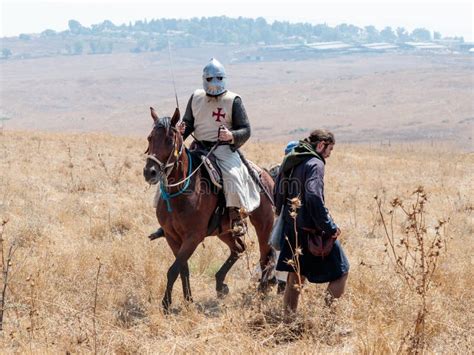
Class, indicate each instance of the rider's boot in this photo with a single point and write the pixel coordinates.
(237, 223)
(158, 234)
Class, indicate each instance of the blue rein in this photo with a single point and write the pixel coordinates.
(167, 196)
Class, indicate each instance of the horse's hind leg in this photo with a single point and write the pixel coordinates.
(222, 288)
(236, 246)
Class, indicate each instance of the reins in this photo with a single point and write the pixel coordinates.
(197, 168)
(167, 196)
(187, 179)
(168, 165)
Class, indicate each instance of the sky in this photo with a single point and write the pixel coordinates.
(450, 18)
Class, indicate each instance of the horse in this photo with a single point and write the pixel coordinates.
(184, 211)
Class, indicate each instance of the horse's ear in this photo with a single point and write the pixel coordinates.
(176, 117)
(153, 114)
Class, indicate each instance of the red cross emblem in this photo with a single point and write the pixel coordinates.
(218, 114)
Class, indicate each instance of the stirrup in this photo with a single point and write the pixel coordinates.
(239, 228)
(158, 234)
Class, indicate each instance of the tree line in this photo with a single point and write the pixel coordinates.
(242, 31)
(151, 35)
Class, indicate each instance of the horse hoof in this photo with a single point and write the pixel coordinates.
(263, 287)
(223, 291)
(281, 287)
(166, 306)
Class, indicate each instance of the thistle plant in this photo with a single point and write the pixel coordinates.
(6, 254)
(294, 262)
(415, 251)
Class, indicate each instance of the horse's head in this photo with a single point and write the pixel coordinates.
(165, 145)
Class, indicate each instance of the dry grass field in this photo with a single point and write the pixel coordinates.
(85, 278)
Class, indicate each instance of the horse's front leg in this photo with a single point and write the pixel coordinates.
(184, 273)
(181, 263)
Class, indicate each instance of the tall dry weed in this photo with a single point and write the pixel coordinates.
(415, 249)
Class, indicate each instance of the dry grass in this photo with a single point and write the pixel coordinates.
(79, 211)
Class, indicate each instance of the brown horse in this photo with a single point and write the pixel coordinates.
(185, 209)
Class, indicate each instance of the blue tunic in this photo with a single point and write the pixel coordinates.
(307, 183)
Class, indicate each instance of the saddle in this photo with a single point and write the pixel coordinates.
(212, 174)
(212, 170)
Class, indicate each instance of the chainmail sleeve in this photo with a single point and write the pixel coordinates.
(188, 119)
(240, 124)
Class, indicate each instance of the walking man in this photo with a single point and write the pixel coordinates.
(299, 195)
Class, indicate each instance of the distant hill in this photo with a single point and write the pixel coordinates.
(361, 97)
(153, 35)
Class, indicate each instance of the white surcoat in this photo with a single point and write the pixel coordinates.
(210, 113)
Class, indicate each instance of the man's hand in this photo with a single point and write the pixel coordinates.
(182, 127)
(225, 135)
(337, 234)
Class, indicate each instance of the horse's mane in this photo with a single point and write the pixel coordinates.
(163, 122)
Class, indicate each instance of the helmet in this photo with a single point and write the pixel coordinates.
(213, 78)
(289, 147)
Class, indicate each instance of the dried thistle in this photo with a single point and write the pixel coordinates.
(296, 250)
(290, 262)
(295, 203)
(396, 202)
(415, 256)
(419, 190)
(6, 253)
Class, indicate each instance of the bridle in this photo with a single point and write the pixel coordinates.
(165, 169)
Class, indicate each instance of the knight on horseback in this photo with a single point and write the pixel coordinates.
(190, 207)
(217, 117)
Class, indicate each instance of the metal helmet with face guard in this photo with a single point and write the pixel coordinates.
(213, 78)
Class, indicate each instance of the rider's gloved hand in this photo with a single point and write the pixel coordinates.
(182, 127)
(225, 135)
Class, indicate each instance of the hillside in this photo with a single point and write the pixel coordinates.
(72, 202)
(153, 35)
(362, 97)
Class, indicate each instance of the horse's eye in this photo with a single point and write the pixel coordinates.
(220, 78)
(208, 80)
